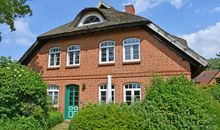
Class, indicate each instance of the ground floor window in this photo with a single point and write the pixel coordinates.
(103, 93)
(132, 92)
(53, 91)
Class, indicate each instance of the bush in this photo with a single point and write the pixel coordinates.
(54, 118)
(177, 103)
(105, 117)
(21, 123)
(23, 94)
(215, 91)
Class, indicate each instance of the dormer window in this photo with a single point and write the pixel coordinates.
(91, 18)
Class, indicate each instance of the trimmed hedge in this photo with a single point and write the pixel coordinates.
(215, 91)
(174, 103)
(54, 118)
(105, 117)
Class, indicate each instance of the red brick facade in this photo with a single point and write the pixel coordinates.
(156, 59)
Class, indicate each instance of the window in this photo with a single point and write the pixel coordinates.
(53, 91)
(91, 19)
(73, 55)
(54, 57)
(107, 52)
(132, 92)
(103, 92)
(131, 49)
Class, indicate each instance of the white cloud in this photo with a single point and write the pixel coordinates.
(22, 36)
(215, 10)
(206, 41)
(144, 5)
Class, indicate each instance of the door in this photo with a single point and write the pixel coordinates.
(72, 101)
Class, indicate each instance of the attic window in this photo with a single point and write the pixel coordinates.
(91, 18)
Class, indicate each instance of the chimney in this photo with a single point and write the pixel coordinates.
(129, 9)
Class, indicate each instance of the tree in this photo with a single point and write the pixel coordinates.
(12, 9)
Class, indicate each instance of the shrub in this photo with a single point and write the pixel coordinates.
(105, 117)
(177, 103)
(215, 91)
(54, 118)
(21, 123)
(23, 94)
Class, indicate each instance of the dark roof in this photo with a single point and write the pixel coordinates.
(112, 18)
(115, 19)
(206, 76)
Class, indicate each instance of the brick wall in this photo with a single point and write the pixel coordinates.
(156, 59)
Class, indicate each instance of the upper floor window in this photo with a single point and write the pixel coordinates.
(131, 49)
(132, 92)
(73, 55)
(103, 93)
(53, 91)
(54, 57)
(91, 18)
(107, 52)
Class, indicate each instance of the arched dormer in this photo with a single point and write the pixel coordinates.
(91, 18)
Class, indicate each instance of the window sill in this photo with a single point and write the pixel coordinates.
(131, 62)
(72, 66)
(107, 64)
(53, 68)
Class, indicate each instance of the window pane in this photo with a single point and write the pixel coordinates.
(57, 58)
(77, 57)
(70, 58)
(103, 96)
(113, 96)
(111, 54)
(135, 51)
(103, 54)
(51, 59)
(127, 52)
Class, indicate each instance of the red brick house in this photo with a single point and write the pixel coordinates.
(211, 77)
(75, 58)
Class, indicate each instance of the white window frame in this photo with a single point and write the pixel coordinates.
(52, 90)
(132, 91)
(68, 51)
(105, 90)
(55, 58)
(88, 15)
(132, 55)
(107, 53)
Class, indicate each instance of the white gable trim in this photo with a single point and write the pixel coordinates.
(176, 43)
(101, 3)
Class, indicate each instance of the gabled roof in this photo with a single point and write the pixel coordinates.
(206, 76)
(113, 18)
(116, 19)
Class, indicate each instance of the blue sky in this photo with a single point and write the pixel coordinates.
(198, 21)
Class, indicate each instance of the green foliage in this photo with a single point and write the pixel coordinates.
(23, 95)
(21, 123)
(177, 103)
(215, 91)
(12, 9)
(54, 118)
(214, 63)
(105, 117)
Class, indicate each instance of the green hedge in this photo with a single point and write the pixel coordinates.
(215, 91)
(54, 118)
(105, 117)
(174, 103)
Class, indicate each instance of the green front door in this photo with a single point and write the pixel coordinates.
(72, 101)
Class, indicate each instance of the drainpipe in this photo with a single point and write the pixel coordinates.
(109, 89)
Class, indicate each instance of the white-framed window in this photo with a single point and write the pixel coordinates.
(107, 52)
(73, 55)
(103, 93)
(53, 92)
(131, 50)
(91, 18)
(54, 57)
(132, 92)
